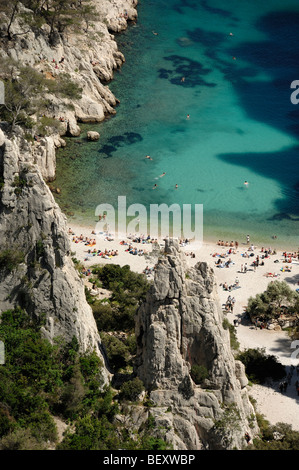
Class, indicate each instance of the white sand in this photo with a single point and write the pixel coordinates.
(275, 406)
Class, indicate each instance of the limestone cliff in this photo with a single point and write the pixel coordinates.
(36, 269)
(90, 58)
(179, 326)
(39, 274)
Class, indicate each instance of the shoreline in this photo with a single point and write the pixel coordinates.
(209, 239)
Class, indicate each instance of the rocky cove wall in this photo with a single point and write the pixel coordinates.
(90, 59)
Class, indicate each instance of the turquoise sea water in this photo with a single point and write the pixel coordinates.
(242, 125)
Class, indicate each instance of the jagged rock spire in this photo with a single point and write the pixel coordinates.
(180, 326)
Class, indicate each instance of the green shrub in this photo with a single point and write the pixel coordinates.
(48, 126)
(280, 436)
(91, 434)
(267, 306)
(132, 389)
(20, 439)
(10, 259)
(40, 379)
(199, 373)
(259, 366)
(234, 343)
(128, 291)
(117, 351)
(65, 87)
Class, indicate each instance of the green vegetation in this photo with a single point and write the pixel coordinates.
(24, 97)
(278, 437)
(117, 352)
(116, 314)
(40, 380)
(132, 389)
(63, 86)
(278, 298)
(47, 126)
(10, 259)
(230, 419)
(58, 14)
(24, 87)
(128, 291)
(232, 333)
(259, 366)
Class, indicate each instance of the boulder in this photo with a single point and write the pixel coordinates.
(93, 136)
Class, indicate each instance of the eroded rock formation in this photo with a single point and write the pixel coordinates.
(180, 326)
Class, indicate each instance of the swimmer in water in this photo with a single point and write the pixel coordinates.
(246, 183)
(176, 186)
(155, 186)
(163, 174)
(148, 157)
(188, 116)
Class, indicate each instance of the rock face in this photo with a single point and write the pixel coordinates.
(42, 277)
(88, 60)
(180, 326)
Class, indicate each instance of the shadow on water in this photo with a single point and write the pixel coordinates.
(196, 5)
(192, 70)
(265, 100)
(117, 141)
(274, 166)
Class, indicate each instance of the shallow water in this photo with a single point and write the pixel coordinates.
(242, 125)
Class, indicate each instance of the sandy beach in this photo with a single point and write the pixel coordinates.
(275, 406)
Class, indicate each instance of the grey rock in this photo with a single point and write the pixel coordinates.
(46, 284)
(93, 136)
(180, 326)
